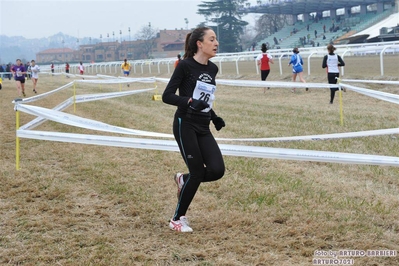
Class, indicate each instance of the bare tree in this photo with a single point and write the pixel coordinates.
(148, 35)
(247, 38)
(268, 24)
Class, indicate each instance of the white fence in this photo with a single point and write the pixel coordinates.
(165, 65)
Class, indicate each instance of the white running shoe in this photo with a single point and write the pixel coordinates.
(180, 225)
(179, 182)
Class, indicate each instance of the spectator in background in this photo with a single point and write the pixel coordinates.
(27, 67)
(178, 60)
(275, 40)
(67, 69)
(8, 70)
(1, 71)
(52, 68)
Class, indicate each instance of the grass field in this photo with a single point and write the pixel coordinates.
(73, 204)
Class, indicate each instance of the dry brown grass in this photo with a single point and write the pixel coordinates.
(74, 204)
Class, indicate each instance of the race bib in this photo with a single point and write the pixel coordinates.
(205, 92)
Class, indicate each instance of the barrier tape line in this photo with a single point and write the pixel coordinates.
(388, 97)
(65, 118)
(228, 150)
(391, 82)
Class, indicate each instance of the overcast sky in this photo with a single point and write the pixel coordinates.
(90, 18)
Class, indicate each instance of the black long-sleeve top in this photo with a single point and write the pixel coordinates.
(185, 78)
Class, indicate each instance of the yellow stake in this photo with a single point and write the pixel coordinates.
(17, 138)
(341, 111)
(74, 98)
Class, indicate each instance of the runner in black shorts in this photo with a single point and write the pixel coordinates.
(195, 77)
(19, 72)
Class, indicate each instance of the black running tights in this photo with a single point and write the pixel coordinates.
(203, 158)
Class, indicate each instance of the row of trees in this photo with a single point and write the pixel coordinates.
(232, 30)
(226, 16)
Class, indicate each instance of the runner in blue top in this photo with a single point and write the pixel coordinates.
(297, 69)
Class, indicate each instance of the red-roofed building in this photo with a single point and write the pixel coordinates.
(168, 43)
(57, 55)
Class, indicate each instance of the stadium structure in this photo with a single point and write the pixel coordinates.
(318, 23)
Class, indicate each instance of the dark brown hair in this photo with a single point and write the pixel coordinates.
(190, 47)
(331, 48)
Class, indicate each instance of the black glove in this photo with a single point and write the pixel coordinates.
(218, 122)
(198, 105)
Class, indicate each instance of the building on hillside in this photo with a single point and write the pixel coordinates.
(168, 43)
(57, 55)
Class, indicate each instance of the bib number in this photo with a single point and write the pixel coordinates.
(205, 92)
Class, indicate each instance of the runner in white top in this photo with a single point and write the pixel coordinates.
(81, 69)
(35, 69)
(332, 62)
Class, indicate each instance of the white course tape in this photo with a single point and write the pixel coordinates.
(164, 80)
(84, 123)
(39, 120)
(389, 97)
(43, 95)
(142, 80)
(86, 76)
(116, 80)
(229, 150)
(51, 73)
(68, 74)
(372, 81)
(77, 121)
(277, 84)
(367, 133)
(101, 96)
(80, 98)
(106, 76)
(262, 84)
